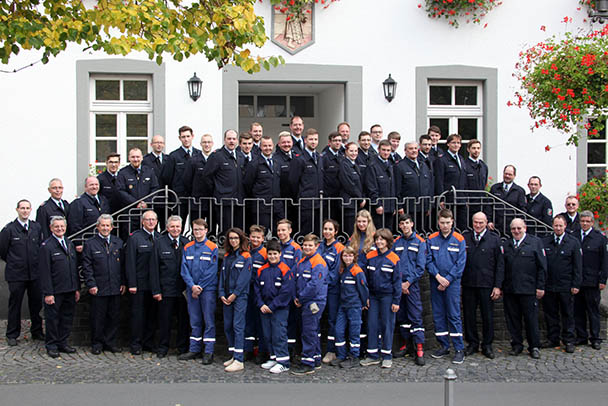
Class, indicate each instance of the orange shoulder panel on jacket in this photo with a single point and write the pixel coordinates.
(296, 245)
(210, 244)
(245, 254)
(263, 253)
(458, 236)
(190, 244)
(317, 259)
(356, 269)
(265, 266)
(339, 247)
(372, 254)
(435, 234)
(393, 257)
(283, 267)
(419, 238)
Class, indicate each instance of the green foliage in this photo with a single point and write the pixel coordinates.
(564, 80)
(593, 196)
(221, 30)
(456, 10)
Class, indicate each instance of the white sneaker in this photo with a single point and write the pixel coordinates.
(278, 368)
(329, 357)
(235, 366)
(269, 364)
(387, 363)
(230, 361)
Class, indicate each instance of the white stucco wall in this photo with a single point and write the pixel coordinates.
(38, 104)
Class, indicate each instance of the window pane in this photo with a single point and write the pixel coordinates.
(272, 106)
(596, 153)
(137, 125)
(103, 149)
(441, 95)
(466, 95)
(467, 128)
(141, 144)
(303, 106)
(105, 125)
(245, 106)
(135, 90)
(443, 124)
(596, 172)
(107, 90)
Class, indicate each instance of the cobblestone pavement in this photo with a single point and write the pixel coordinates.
(29, 363)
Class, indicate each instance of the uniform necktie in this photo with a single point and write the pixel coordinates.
(175, 244)
(157, 160)
(60, 204)
(516, 244)
(97, 202)
(506, 188)
(151, 237)
(65, 248)
(314, 157)
(25, 228)
(477, 237)
(270, 163)
(106, 242)
(583, 235)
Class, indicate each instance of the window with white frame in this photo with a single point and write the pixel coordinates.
(456, 107)
(597, 155)
(121, 116)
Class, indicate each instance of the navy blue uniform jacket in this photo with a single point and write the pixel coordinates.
(20, 250)
(57, 269)
(103, 266)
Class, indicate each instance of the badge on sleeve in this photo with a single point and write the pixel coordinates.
(130, 186)
(544, 255)
(502, 249)
(549, 212)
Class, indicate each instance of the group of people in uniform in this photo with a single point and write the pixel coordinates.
(274, 291)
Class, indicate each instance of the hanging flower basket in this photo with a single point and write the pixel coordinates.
(565, 81)
(457, 10)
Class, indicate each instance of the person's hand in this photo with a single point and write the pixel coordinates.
(132, 291)
(77, 295)
(93, 291)
(158, 297)
(123, 289)
(225, 301)
(296, 301)
(495, 295)
(380, 210)
(574, 291)
(79, 248)
(491, 226)
(231, 298)
(602, 286)
(49, 300)
(405, 288)
(442, 281)
(394, 308)
(265, 309)
(540, 294)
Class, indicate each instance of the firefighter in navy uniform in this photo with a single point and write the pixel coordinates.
(138, 252)
(103, 271)
(330, 166)
(85, 210)
(450, 172)
(262, 182)
(223, 174)
(193, 176)
(156, 159)
(510, 192)
(595, 273)
(537, 204)
(306, 177)
(380, 187)
(108, 187)
(60, 286)
(564, 275)
(19, 247)
(167, 286)
(481, 280)
(414, 187)
(54, 206)
(571, 214)
(351, 186)
(135, 182)
(366, 153)
(523, 286)
(283, 157)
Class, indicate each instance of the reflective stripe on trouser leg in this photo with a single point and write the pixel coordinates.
(453, 314)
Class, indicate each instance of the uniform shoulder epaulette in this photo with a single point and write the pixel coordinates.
(263, 253)
(317, 259)
(283, 267)
(419, 238)
(245, 254)
(435, 234)
(371, 254)
(458, 236)
(397, 239)
(210, 244)
(295, 245)
(190, 244)
(339, 247)
(301, 260)
(393, 257)
(265, 266)
(356, 269)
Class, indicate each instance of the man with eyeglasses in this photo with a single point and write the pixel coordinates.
(54, 206)
(156, 159)
(573, 223)
(108, 187)
(376, 132)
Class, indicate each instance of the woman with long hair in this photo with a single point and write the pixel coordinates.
(362, 239)
(233, 292)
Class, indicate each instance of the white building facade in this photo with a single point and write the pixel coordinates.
(59, 118)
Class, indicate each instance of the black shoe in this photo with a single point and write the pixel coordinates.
(569, 348)
(401, 352)
(67, 349)
(549, 344)
(488, 352)
(135, 351)
(349, 363)
(150, 349)
(187, 356)
(161, 354)
(260, 358)
(580, 342)
(53, 353)
(302, 369)
(515, 351)
(535, 353)
(207, 359)
(12, 342)
(419, 360)
(470, 350)
(596, 345)
(249, 356)
(38, 337)
(336, 362)
(95, 350)
(112, 348)
(440, 353)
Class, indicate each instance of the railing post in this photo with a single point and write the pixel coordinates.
(448, 394)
